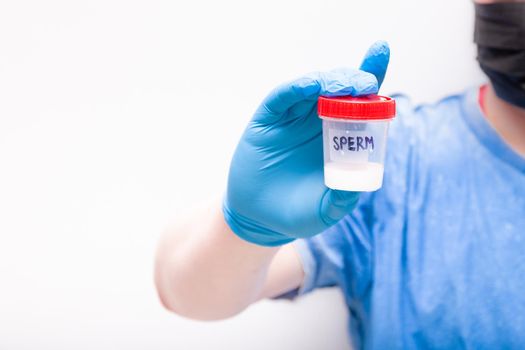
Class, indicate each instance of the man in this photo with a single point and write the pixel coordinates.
(435, 259)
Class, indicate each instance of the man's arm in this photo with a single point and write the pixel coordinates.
(204, 271)
(275, 194)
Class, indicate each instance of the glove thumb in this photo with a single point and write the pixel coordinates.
(376, 60)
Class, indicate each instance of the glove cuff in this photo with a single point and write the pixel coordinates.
(253, 232)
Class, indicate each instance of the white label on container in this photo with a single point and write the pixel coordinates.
(350, 146)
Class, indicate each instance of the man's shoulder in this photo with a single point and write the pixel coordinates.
(426, 120)
(425, 142)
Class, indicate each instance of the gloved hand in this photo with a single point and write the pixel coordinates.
(276, 191)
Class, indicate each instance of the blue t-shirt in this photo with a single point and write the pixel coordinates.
(436, 258)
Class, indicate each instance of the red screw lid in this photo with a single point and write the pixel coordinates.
(370, 107)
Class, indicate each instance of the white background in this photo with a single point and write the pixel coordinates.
(116, 116)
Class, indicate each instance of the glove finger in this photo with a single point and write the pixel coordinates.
(347, 81)
(286, 95)
(336, 204)
(376, 60)
(337, 82)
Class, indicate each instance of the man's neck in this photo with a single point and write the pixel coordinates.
(507, 120)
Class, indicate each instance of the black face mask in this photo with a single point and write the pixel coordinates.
(500, 36)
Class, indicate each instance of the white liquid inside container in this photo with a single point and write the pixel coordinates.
(363, 177)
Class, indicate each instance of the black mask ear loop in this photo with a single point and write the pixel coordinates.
(500, 36)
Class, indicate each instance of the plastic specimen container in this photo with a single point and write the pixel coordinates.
(355, 133)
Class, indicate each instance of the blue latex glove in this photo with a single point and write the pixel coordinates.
(276, 190)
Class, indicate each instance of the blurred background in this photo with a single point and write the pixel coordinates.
(116, 117)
